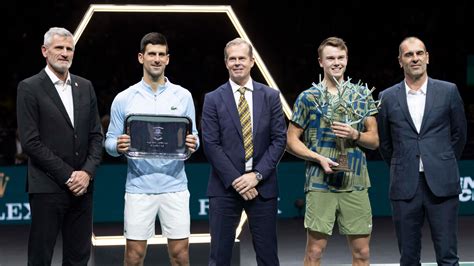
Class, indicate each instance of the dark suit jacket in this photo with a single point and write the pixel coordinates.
(440, 142)
(56, 148)
(223, 145)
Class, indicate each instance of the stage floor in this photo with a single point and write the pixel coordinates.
(292, 241)
(383, 244)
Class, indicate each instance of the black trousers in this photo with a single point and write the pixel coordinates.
(224, 217)
(442, 216)
(52, 213)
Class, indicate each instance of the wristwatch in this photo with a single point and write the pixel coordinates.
(259, 176)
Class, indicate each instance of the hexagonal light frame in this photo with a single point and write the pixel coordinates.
(194, 238)
(185, 9)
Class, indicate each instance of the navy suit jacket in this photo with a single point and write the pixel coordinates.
(223, 145)
(440, 142)
(54, 146)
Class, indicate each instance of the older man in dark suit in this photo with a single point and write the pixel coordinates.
(244, 137)
(60, 131)
(422, 131)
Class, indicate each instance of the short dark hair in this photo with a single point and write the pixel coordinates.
(409, 39)
(153, 38)
(334, 42)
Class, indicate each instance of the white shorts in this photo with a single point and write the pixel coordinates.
(172, 210)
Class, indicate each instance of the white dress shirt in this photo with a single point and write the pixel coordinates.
(416, 100)
(64, 90)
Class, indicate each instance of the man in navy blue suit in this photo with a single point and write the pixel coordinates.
(243, 177)
(422, 131)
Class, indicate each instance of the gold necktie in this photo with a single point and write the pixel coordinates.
(246, 123)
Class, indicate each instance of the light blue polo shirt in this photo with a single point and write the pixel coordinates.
(151, 176)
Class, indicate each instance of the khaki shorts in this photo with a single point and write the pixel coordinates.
(141, 211)
(351, 210)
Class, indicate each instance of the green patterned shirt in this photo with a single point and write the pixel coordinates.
(318, 137)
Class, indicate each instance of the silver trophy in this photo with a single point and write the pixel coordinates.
(351, 105)
(158, 136)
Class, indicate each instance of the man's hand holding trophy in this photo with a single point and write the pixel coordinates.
(345, 111)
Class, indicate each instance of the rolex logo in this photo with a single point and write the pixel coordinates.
(3, 183)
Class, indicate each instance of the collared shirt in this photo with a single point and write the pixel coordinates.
(151, 176)
(319, 137)
(248, 96)
(64, 90)
(416, 100)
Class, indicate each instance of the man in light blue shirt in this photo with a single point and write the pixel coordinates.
(154, 186)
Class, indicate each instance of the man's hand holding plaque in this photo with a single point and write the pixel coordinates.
(123, 143)
(191, 142)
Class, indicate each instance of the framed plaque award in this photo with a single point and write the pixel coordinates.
(158, 136)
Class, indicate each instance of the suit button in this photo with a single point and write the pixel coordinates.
(77, 154)
(75, 136)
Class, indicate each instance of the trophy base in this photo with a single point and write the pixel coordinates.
(341, 168)
(343, 164)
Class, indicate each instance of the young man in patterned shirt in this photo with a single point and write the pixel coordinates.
(332, 195)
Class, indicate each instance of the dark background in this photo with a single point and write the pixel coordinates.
(285, 33)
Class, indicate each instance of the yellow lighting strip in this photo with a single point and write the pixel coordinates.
(185, 9)
(194, 238)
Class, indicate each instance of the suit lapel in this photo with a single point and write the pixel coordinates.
(228, 99)
(75, 98)
(50, 90)
(257, 102)
(402, 100)
(430, 98)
